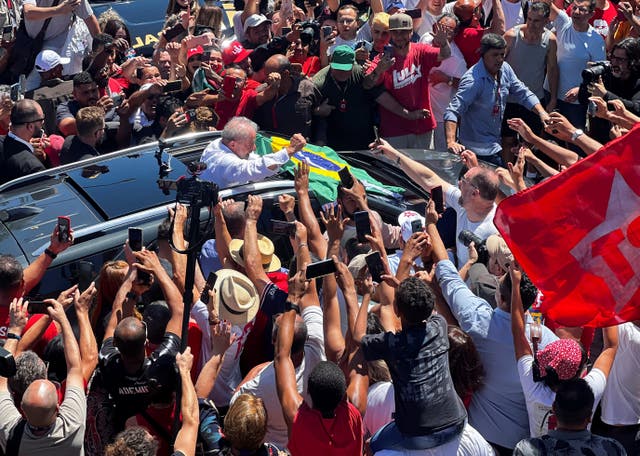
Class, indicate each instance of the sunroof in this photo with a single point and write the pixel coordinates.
(126, 184)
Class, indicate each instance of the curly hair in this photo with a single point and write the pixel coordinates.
(133, 441)
(414, 300)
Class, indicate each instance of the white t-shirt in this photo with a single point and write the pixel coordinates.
(540, 397)
(360, 36)
(575, 49)
(469, 443)
(381, 406)
(453, 66)
(264, 384)
(483, 229)
(426, 26)
(512, 13)
(621, 399)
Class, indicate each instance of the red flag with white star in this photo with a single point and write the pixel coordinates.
(577, 235)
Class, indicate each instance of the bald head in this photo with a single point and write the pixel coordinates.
(277, 64)
(130, 337)
(40, 403)
(486, 181)
(300, 334)
(463, 9)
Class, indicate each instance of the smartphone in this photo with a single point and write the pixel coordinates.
(320, 268)
(592, 108)
(117, 99)
(363, 225)
(416, 226)
(326, 31)
(228, 86)
(346, 179)
(7, 32)
(135, 239)
(376, 268)
(64, 228)
(190, 115)
(200, 29)
(15, 92)
(208, 286)
(282, 227)
(286, 30)
(438, 199)
(38, 307)
(377, 135)
(174, 31)
(414, 13)
(388, 51)
(135, 244)
(172, 86)
(200, 40)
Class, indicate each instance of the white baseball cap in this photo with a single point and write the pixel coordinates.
(405, 219)
(255, 20)
(48, 60)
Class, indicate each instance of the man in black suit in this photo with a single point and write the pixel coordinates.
(18, 155)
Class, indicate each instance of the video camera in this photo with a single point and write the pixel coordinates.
(192, 190)
(310, 32)
(7, 363)
(596, 70)
(467, 237)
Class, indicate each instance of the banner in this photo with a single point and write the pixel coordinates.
(577, 235)
(324, 164)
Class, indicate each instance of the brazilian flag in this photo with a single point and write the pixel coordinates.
(324, 164)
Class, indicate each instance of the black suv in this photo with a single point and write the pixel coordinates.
(105, 195)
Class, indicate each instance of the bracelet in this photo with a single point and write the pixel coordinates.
(303, 244)
(288, 305)
(398, 160)
(50, 254)
(13, 336)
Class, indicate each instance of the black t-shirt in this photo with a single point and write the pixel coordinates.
(132, 393)
(74, 150)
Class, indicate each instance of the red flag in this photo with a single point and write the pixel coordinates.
(577, 235)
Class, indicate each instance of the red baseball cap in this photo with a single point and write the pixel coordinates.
(234, 53)
(194, 51)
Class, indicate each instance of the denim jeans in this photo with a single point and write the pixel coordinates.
(390, 438)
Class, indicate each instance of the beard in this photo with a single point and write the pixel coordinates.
(460, 201)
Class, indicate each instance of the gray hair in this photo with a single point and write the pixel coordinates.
(237, 128)
(491, 41)
(29, 368)
(449, 16)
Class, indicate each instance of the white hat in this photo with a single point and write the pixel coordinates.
(498, 248)
(255, 20)
(405, 219)
(236, 298)
(48, 60)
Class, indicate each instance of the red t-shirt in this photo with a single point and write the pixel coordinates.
(47, 337)
(468, 41)
(601, 19)
(226, 109)
(4, 321)
(311, 66)
(408, 82)
(313, 435)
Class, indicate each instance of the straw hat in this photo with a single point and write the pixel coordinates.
(270, 261)
(236, 298)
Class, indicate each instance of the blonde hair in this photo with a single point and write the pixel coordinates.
(381, 19)
(245, 424)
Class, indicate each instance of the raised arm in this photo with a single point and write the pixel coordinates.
(33, 273)
(252, 258)
(148, 261)
(498, 22)
(608, 355)
(560, 127)
(413, 249)
(117, 311)
(317, 242)
(88, 345)
(286, 383)
(419, 173)
(557, 153)
(520, 342)
(71, 349)
(17, 322)
(188, 434)
(221, 340)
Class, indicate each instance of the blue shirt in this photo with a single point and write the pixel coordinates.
(479, 103)
(498, 410)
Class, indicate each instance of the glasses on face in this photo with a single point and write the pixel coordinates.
(582, 9)
(346, 21)
(464, 180)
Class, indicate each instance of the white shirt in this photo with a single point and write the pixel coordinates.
(381, 405)
(264, 384)
(360, 36)
(575, 49)
(621, 399)
(483, 229)
(512, 13)
(225, 168)
(540, 397)
(426, 26)
(453, 66)
(468, 443)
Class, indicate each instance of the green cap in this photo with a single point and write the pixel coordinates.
(343, 58)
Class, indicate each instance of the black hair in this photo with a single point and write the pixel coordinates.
(631, 47)
(465, 365)
(134, 440)
(327, 387)
(528, 291)
(11, 273)
(540, 7)
(101, 39)
(355, 248)
(54, 355)
(491, 41)
(113, 25)
(25, 111)
(166, 106)
(415, 300)
(156, 315)
(574, 402)
(374, 325)
(82, 79)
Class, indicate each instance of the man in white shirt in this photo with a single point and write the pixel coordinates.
(231, 159)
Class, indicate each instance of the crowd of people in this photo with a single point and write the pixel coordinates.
(403, 346)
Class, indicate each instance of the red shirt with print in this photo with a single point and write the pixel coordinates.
(226, 109)
(408, 82)
(601, 19)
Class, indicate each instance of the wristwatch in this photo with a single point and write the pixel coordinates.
(288, 305)
(576, 134)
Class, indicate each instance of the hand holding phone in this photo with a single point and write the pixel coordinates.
(228, 86)
(38, 307)
(135, 244)
(346, 179)
(283, 228)
(64, 229)
(438, 198)
(375, 265)
(208, 286)
(363, 225)
(320, 268)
